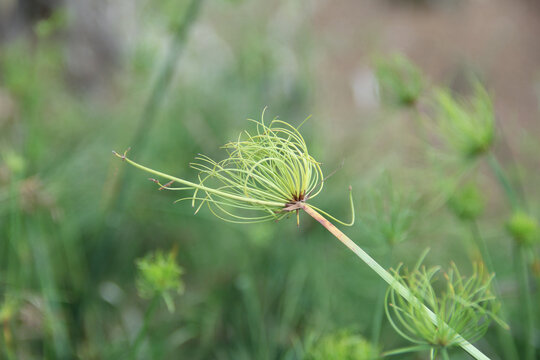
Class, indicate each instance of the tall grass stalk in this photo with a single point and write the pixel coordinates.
(503, 181)
(522, 272)
(520, 257)
(505, 337)
(378, 315)
(160, 88)
(141, 334)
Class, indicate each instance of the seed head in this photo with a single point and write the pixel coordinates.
(342, 345)
(523, 228)
(400, 81)
(467, 202)
(467, 306)
(467, 125)
(272, 165)
(159, 275)
(266, 175)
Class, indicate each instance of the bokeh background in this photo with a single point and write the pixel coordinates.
(175, 78)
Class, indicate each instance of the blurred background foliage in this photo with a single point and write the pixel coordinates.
(171, 79)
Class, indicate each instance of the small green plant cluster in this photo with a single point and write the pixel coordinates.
(400, 81)
(388, 212)
(467, 306)
(464, 127)
(467, 202)
(342, 345)
(159, 275)
(523, 228)
(466, 124)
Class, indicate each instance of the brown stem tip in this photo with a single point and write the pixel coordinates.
(123, 157)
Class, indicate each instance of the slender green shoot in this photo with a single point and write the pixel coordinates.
(524, 231)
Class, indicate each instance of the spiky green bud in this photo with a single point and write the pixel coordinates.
(342, 345)
(523, 228)
(400, 81)
(467, 124)
(159, 275)
(467, 202)
(15, 162)
(467, 306)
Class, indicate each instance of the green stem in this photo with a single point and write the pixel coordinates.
(378, 315)
(159, 89)
(164, 79)
(144, 327)
(386, 276)
(503, 180)
(523, 280)
(198, 186)
(7, 341)
(482, 247)
(505, 336)
(444, 354)
(520, 258)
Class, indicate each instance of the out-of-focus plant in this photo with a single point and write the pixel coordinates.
(466, 124)
(400, 81)
(49, 26)
(342, 345)
(387, 218)
(467, 305)
(467, 202)
(467, 127)
(523, 228)
(8, 311)
(389, 212)
(159, 277)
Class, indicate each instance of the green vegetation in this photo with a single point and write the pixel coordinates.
(343, 345)
(466, 305)
(82, 275)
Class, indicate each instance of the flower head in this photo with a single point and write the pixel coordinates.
(159, 275)
(266, 175)
(342, 346)
(467, 125)
(523, 228)
(400, 81)
(272, 165)
(467, 306)
(467, 202)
